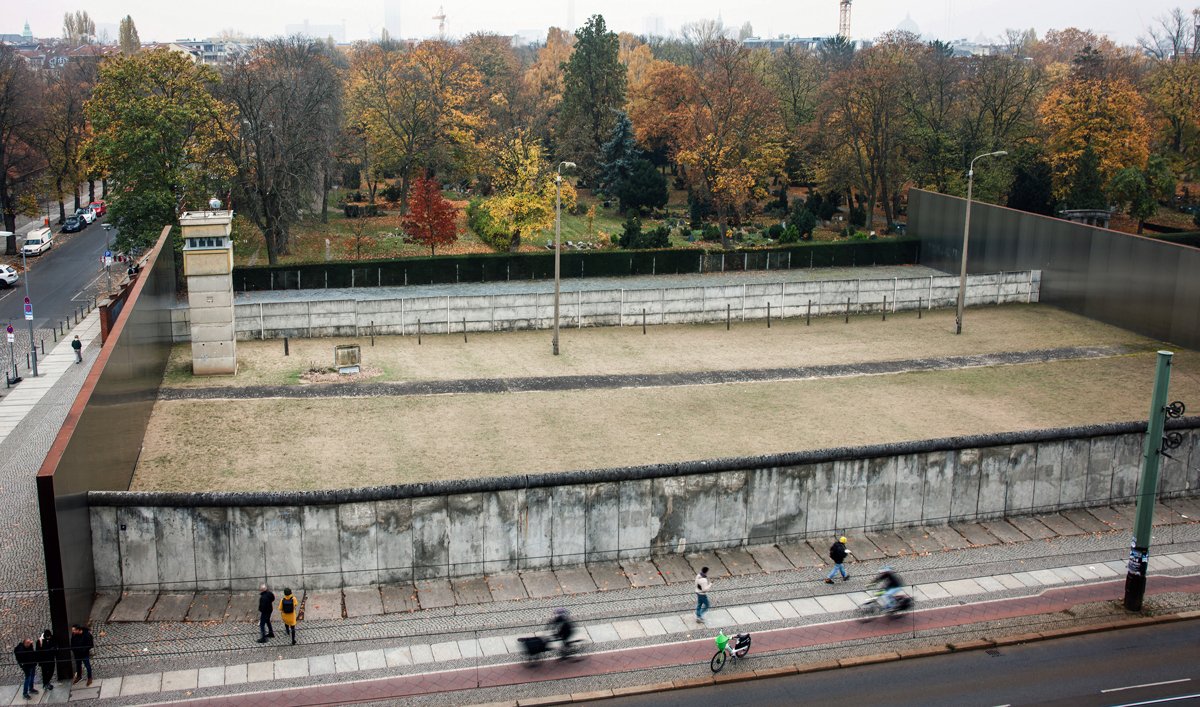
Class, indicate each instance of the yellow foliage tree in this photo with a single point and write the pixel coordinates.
(526, 185)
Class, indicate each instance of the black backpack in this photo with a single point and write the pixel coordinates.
(288, 605)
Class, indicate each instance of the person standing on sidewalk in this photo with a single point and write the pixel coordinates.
(47, 656)
(78, 346)
(266, 605)
(81, 650)
(702, 587)
(289, 608)
(26, 656)
(838, 552)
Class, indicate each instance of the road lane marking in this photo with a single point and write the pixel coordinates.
(1148, 684)
(1192, 696)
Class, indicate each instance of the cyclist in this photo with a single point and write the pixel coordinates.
(891, 584)
(562, 628)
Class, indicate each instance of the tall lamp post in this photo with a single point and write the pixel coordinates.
(29, 313)
(558, 241)
(962, 277)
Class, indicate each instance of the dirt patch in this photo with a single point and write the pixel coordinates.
(332, 375)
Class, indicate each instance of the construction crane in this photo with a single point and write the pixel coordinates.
(441, 18)
(844, 20)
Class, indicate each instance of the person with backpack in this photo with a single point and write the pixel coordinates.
(702, 587)
(289, 609)
(838, 552)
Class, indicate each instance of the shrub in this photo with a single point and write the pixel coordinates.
(710, 233)
(480, 220)
(805, 223)
(360, 210)
(858, 216)
(791, 234)
(775, 231)
(391, 192)
(631, 233)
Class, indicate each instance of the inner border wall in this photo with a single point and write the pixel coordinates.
(1146, 285)
(624, 307)
(98, 445)
(148, 541)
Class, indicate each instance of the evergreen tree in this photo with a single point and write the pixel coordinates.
(1087, 187)
(1032, 187)
(593, 91)
(617, 156)
(645, 188)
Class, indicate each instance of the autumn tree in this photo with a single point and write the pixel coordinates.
(431, 218)
(129, 40)
(286, 100)
(525, 185)
(21, 163)
(593, 88)
(543, 84)
(795, 77)
(932, 100)
(659, 108)
(412, 105)
(155, 128)
(1138, 191)
(1092, 110)
(78, 28)
(64, 129)
(730, 143)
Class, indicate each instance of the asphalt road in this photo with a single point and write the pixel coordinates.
(60, 280)
(1152, 665)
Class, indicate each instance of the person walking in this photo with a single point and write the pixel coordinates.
(26, 656)
(838, 552)
(78, 346)
(289, 609)
(82, 643)
(266, 604)
(702, 587)
(47, 656)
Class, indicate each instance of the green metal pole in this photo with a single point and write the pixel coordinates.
(1139, 552)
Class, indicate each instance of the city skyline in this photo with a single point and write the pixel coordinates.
(942, 19)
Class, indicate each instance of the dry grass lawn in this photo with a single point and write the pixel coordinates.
(341, 442)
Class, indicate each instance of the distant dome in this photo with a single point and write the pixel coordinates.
(908, 25)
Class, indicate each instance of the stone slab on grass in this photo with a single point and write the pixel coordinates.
(434, 593)
(362, 601)
(716, 568)
(642, 573)
(323, 605)
(975, 534)
(738, 562)
(171, 607)
(506, 586)
(575, 580)
(1013, 530)
(243, 606)
(471, 590)
(769, 558)
(801, 555)
(541, 584)
(608, 576)
(209, 606)
(1032, 527)
(134, 606)
(399, 598)
(674, 569)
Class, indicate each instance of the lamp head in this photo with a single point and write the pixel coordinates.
(568, 165)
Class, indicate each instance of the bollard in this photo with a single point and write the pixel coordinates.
(43, 348)
(464, 330)
(418, 332)
(372, 332)
(808, 317)
(768, 313)
(847, 310)
(285, 346)
(54, 333)
(885, 308)
(27, 361)
(727, 317)
(918, 308)
(643, 321)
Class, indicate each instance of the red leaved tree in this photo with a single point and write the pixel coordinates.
(431, 218)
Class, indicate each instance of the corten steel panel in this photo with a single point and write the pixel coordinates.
(99, 442)
(1142, 284)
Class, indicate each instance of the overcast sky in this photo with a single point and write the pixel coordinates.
(156, 20)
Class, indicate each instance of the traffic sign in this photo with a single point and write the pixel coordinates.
(28, 309)
(11, 337)
(108, 254)
(10, 329)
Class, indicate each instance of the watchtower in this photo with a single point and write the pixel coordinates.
(208, 267)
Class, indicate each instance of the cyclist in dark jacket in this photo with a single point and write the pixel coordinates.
(891, 584)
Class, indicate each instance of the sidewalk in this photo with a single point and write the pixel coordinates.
(19, 401)
(470, 644)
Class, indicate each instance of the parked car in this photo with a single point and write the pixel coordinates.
(38, 242)
(8, 276)
(86, 214)
(73, 224)
(100, 207)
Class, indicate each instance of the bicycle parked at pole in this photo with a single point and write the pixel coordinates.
(729, 648)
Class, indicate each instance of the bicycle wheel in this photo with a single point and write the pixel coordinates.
(741, 652)
(717, 662)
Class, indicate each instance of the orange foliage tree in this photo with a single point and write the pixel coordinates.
(431, 219)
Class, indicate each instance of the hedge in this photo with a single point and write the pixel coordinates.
(495, 267)
(1191, 238)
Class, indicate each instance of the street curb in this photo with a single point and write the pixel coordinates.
(854, 662)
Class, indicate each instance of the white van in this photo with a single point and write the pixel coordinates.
(38, 241)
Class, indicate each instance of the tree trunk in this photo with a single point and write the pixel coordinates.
(325, 195)
(91, 190)
(1141, 224)
(721, 226)
(62, 207)
(515, 244)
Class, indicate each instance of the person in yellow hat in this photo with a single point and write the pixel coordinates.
(838, 553)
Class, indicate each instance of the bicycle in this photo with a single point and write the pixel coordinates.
(736, 648)
(874, 606)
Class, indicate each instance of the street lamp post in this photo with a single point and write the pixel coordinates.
(558, 242)
(962, 277)
(32, 347)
